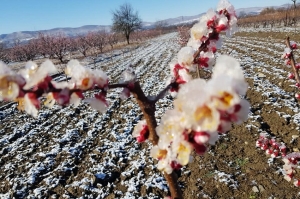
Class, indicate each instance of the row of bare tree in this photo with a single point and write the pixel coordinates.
(270, 17)
(62, 47)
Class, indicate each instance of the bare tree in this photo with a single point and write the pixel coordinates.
(46, 45)
(126, 21)
(61, 45)
(81, 44)
(112, 39)
(294, 12)
(4, 53)
(294, 2)
(160, 26)
(101, 39)
(183, 35)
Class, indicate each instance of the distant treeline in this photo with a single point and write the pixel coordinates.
(270, 17)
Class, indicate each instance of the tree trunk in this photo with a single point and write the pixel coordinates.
(127, 38)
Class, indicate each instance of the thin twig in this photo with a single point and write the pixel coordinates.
(120, 85)
(292, 59)
(198, 71)
(162, 93)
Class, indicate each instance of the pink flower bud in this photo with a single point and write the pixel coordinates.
(264, 147)
(275, 145)
(297, 66)
(298, 85)
(297, 95)
(258, 143)
(293, 45)
(275, 153)
(175, 165)
(199, 148)
(283, 154)
(282, 148)
(211, 22)
(297, 183)
(291, 76)
(201, 137)
(269, 151)
(144, 134)
(293, 160)
(221, 28)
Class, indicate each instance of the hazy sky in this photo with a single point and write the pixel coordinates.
(32, 15)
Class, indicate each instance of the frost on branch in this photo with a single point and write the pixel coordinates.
(204, 42)
(202, 108)
(33, 82)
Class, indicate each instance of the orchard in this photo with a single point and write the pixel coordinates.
(184, 116)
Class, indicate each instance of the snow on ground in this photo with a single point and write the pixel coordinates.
(78, 153)
(78, 147)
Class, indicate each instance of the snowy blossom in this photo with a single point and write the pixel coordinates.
(35, 75)
(206, 60)
(201, 110)
(224, 7)
(10, 83)
(199, 30)
(228, 66)
(85, 78)
(31, 104)
(186, 57)
(291, 161)
(180, 75)
(141, 131)
(287, 53)
(293, 45)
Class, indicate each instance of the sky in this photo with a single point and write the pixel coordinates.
(34, 15)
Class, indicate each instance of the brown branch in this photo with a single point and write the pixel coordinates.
(292, 59)
(175, 190)
(198, 71)
(148, 108)
(120, 85)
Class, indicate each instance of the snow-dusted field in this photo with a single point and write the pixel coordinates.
(79, 153)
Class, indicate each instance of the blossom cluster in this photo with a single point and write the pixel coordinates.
(291, 160)
(201, 111)
(288, 56)
(204, 41)
(276, 149)
(270, 145)
(32, 83)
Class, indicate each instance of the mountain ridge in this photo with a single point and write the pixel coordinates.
(71, 32)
